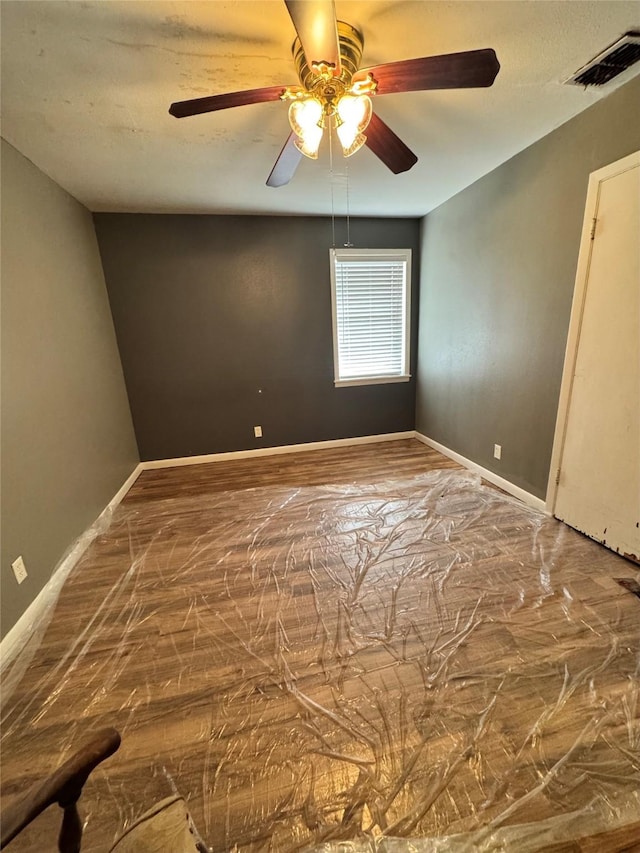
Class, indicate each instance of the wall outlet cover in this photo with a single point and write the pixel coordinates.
(19, 569)
(497, 451)
(257, 431)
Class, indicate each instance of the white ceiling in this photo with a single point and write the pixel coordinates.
(86, 86)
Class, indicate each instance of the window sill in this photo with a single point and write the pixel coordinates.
(370, 380)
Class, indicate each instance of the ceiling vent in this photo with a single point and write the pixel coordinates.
(607, 65)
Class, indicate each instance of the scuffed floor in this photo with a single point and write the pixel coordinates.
(409, 658)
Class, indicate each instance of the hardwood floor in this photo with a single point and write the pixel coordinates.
(342, 644)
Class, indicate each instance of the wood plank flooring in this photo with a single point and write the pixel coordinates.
(336, 645)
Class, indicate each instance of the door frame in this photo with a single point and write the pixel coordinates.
(590, 223)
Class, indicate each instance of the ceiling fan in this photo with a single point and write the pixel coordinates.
(334, 90)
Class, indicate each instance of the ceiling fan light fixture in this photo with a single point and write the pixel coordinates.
(309, 145)
(334, 89)
(355, 144)
(353, 115)
(306, 117)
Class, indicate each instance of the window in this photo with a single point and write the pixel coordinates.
(371, 296)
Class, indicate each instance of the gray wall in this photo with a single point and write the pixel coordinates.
(67, 438)
(209, 310)
(498, 268)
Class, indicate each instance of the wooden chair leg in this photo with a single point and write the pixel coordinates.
(70, 837)
(64, 787)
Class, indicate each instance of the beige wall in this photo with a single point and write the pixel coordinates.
(67, 437)
(498, 263)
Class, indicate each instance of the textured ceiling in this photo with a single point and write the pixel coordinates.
(86, 86)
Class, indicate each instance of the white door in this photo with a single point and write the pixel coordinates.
(597, 461)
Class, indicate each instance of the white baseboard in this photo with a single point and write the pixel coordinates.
(495, 479)
(272, 451)
(34, 616)
(124, 488)
(16, 636)
(526, 497)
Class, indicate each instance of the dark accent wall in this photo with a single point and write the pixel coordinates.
(498, 269)
(67, 437)
(224, 323)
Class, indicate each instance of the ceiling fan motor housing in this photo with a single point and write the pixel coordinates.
(351, 44)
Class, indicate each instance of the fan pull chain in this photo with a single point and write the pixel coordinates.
(348, 244)
(333, 217)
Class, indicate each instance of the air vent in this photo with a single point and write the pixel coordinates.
(621, 55)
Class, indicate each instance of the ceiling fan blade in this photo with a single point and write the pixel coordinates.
(386, 145)
(285, 166)
(197, 106)
(469, 69)
(315, 23)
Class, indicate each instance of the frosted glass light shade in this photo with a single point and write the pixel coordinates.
(306, 119)
(354, 114)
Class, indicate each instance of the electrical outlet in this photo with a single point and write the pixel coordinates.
(19, 569)
(497, 451)
(257, 431)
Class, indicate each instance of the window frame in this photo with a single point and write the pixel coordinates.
(369, 255)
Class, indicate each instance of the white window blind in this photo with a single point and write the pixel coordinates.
(371, 314)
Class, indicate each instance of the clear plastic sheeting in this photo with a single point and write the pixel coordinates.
(421, 664)
(587, 823)
(21, 644)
